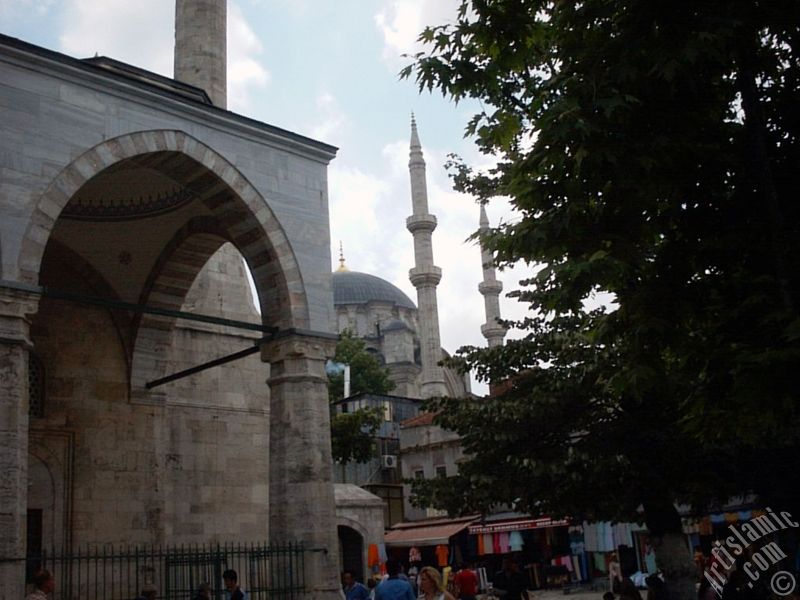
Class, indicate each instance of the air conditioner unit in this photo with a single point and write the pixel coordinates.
(389, 461)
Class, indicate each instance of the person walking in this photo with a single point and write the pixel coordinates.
(394, 588)
(431, 586)
(510, 584)
(614, 573)
(466, 581)
(233, 591)
(44, 583)
(353, 590)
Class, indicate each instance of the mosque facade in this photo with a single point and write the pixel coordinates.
(129, 202)
(144, 399)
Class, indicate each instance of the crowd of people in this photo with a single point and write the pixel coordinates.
(44, 584)
(427, 584)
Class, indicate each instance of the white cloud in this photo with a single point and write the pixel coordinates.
(246, 75)
(401, 21)
(355, 200)
(331, 119)
(14, 10)
(116, 28)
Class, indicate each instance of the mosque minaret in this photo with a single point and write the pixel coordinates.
(200, 46)
(490, 288)
(425, 276)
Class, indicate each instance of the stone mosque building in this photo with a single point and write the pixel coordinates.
(128, 202)
(143, 398)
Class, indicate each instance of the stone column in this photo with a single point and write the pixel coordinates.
(15, 307)
(301, 501)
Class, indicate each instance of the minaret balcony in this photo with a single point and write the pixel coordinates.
(425, 277)
(490, 288)
(493, 330)
(426, 223)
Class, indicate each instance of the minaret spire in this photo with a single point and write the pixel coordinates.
(490, 287)
(425, 276)
(342, 266)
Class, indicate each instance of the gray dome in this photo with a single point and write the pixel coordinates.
(352, 287)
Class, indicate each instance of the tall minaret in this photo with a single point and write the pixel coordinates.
(200, 46)
(425, 276)
(490, 287)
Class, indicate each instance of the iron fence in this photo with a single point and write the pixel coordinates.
(274, 572)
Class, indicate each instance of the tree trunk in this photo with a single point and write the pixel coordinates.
(675, 561)
(673, 556)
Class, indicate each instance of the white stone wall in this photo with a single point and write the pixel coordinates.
(54, 111)
(191, 470)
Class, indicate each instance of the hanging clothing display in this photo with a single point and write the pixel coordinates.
(382, 553)
(442, 555)
(488, 544)
(373, 560)
(650, 560)
(515, 541)
(481, 549)
(503, 542)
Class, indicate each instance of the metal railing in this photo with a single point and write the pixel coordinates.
(275, 571)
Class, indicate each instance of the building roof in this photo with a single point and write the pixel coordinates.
(352, 287)
(347, 494)
(420, 420)
(115, 71)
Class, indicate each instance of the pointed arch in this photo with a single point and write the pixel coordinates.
(240, 211)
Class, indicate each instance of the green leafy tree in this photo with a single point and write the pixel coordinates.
(651, 151)
(352, 433)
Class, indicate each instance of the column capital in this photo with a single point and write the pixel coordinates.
(299, 344)
(17, 305)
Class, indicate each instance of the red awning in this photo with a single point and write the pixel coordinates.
(517, 525)
(426, 535)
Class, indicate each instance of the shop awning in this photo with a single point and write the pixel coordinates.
(517, 525)
(430, 534)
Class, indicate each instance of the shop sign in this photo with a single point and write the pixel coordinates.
(518, 525)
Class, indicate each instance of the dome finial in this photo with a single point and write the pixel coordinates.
(342, 266)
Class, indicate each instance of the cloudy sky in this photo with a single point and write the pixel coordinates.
(327, 70)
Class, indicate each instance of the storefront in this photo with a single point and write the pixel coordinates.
(540, 547)
(440, 543)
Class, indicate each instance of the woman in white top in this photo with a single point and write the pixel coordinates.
(430, 585)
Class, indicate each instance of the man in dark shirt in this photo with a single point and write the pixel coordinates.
(509, 583)
(233, 591)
